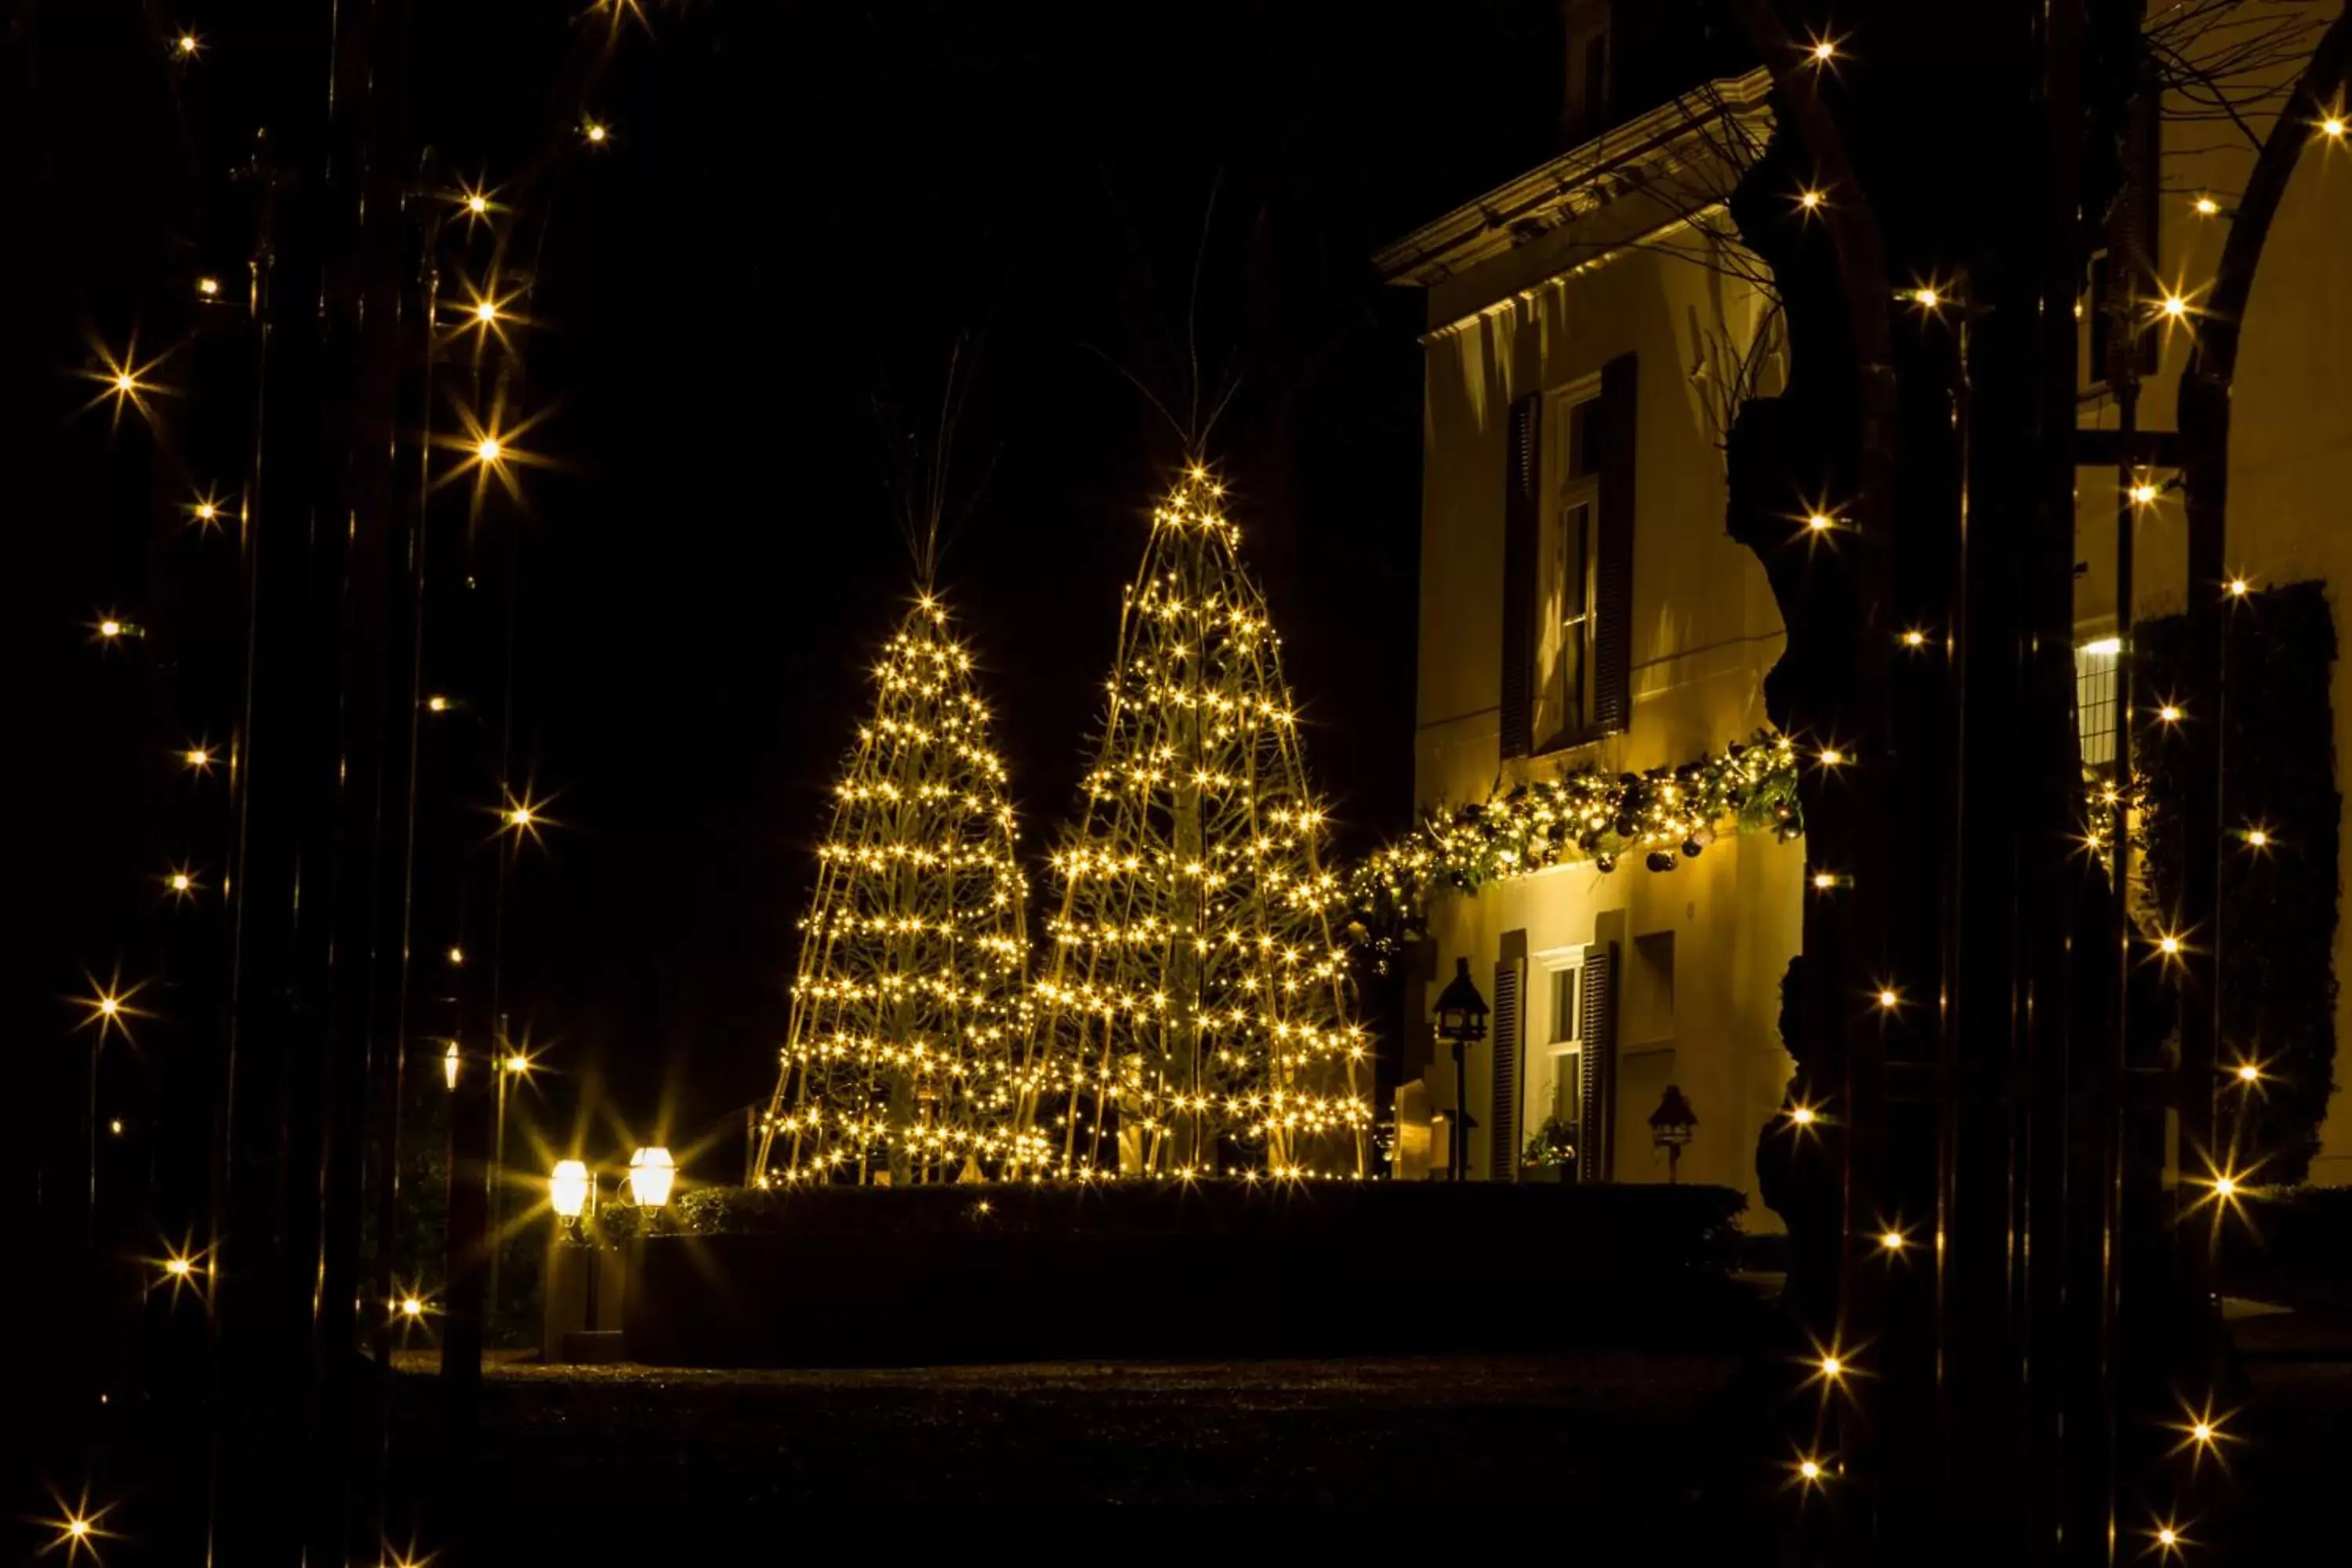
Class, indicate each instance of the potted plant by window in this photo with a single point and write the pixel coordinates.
(1551, 1153)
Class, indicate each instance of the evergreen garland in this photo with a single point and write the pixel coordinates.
(1584, 813)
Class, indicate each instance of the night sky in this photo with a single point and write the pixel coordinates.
(742, 303)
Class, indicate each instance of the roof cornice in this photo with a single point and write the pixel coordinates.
(1580, 180)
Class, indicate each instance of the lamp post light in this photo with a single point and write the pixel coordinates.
(652, 1173)
(1670, 1126)
(567, 1191)
(1461, 1021)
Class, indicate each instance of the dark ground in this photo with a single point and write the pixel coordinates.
(715, 1453)
(582, 1464)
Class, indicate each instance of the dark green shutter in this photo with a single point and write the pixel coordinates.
(1597, 1092)
(1613, 637)
(1517, 609)
(1502, 1113)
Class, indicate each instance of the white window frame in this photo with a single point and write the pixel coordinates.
(1562, 491)
(1551, 964)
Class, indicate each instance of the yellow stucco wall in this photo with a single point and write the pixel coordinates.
(2290, 516)
(1705, 632)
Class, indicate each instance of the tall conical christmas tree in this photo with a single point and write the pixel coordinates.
(908, 1007)
(1197, 1010)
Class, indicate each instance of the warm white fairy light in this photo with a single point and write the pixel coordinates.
(904, 1052)
(2206, 206)
(2249, 1072)
(1915, 637)
(1197, 1005)
(2143, 493)
(2169, 713)
(1803, 1115)
(1889, 999)
(1809, 199)
(1821, 522)
(187, 46)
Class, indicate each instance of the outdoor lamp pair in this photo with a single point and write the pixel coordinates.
(652, 1173)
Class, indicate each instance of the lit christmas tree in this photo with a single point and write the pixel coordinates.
(1197, 1009)
(908, 1005)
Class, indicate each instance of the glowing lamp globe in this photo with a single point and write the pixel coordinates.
(651, 1173)
(1461, 1010)
(567, 1189)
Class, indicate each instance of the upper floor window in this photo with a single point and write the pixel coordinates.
(1568, 564)
(1568, 529)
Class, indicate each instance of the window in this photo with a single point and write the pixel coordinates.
(1553, 1104)
(2094, 701)
(1567, 529)
(1567, 611)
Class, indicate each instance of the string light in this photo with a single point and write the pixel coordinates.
(1811, 200)
(2169, 713)
(1888, 1000)
(1809, 1469)
(595, 132)
(1803, 1115)
(1198, 860)
(1823, 881)
(1820, 522)
(108, 1008)
(411, 1308)
(1927, 299)
(1892, 1240)
(1914, 639)
(525, 818)
(1831, 757)
(2169, 945)
(2333, 128)
(455, 955)
(124, 381)
(2174, 307)
(110, 628)
(437, 704)
(2143, 493)
(197, 759)
(188, 45)
(911, 1000)
(2248, 1072)
(1823, 52)
(2207, 207)
(2239, 587)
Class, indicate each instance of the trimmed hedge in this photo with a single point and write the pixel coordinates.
(867, 1277)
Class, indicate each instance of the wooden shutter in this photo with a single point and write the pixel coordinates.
(1510, 1044)
(1612, 636)
(1516, 612)
(1596, 1098)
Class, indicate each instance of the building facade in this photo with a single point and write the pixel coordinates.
(1590, 326)
(2290, 484)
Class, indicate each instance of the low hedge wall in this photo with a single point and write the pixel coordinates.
(867, 1277)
